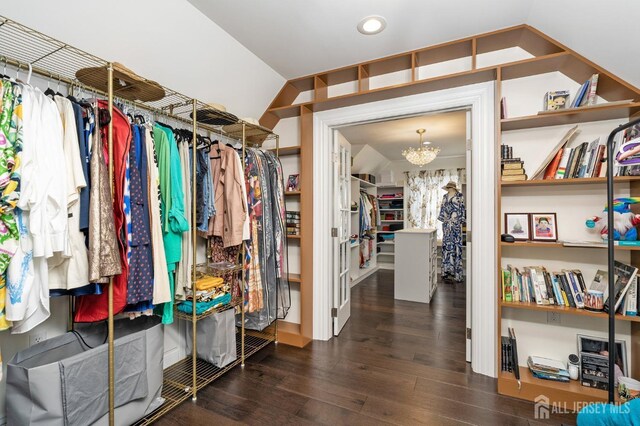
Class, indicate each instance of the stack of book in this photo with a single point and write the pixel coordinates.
(511, 168)
(586, 95)
(584, 161)
(293, 223)
(548, 369)
(509, 358)
(534, 284)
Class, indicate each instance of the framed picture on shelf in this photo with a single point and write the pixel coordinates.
(517, 224)
(594, 361)
(293, 183)
(544, 227)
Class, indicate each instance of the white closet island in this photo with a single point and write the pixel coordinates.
(415, 265)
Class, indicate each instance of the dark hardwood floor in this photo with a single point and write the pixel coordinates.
(394, 362)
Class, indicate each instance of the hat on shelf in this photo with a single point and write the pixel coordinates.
(450, 185)
(215, 115)
(126, 83)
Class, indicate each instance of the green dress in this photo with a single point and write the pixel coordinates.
(172, 208)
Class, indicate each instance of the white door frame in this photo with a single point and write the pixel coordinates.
(480, 98)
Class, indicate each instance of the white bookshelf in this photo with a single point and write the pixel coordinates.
(392, 212)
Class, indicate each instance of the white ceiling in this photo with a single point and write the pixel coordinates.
(389, 138)
(301, 37)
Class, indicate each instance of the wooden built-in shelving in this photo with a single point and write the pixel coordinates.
(559, 394)
(292, 193)
(287, 150)
(547, 56)
(571, 116)
(565, 310)
(578, 181)
(360, 84)
(293, 278)
(560, 244)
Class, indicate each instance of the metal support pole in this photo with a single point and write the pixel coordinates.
(611, 256)
(110, 289)
(242, 275)
(193, 242)
(284, 242)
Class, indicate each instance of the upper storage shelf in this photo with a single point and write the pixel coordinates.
(510, 53)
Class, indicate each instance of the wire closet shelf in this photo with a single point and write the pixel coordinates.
(31, 52)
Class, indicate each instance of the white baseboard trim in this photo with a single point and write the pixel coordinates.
(364, 275)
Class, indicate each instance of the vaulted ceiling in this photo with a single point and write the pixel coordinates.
(298, 38)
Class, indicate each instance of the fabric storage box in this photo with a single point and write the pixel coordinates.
(64, 380)
(216, 338)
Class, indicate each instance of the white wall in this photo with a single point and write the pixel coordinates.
(168, 41)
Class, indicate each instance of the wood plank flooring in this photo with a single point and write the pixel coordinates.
(394, 362)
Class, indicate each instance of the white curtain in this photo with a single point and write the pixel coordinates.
(424, 195)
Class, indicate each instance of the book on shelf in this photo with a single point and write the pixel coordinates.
(580, 94)
(503, 108)
(541, 171)
(513, 172)
(534, 284)
(623, 275)
(506, 359)
(548, 369)
(513, 165)
(514, 178)
(562, 166)
(514, 352)
(631, 305)
(591, 94)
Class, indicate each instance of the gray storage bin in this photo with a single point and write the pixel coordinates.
(64, 380)
(216, 337)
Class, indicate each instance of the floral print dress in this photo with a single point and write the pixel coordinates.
(452, 215)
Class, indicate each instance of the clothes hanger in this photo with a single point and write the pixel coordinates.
(4, 69)
(49, 91)
(216, 142)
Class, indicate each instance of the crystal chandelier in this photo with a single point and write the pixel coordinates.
(422, 155)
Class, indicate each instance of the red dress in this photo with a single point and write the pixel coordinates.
(95, 307)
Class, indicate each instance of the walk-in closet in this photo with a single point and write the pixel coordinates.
(320, 212)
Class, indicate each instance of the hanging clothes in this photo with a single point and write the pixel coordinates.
(161, 286)
(208, 193)
(43, 204)
(267, 293)
(69, 269)
(173, 220)
(231, 212)
(452, 215)
(95, 307)
(104, 261)
(11, 123)
(183, 268)
(140, 281)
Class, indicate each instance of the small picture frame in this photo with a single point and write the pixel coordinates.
(594, 361)
(293, 183)
(544, 227)
(517, 225)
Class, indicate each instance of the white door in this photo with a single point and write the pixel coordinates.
(341, 224)
(467, 252)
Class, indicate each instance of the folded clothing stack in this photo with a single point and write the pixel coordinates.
(211, 292)
(202, 307)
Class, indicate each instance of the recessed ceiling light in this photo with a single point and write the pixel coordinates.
(372, 25)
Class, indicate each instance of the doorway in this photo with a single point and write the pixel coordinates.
(479, 99)
(385, 193)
